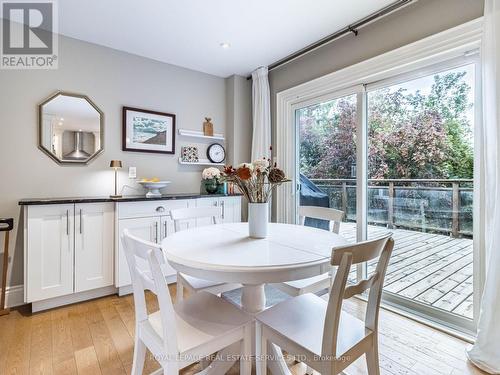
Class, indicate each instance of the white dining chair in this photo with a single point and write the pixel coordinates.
(326, 338)
(189, 332)
(193, 284)
(318, 283)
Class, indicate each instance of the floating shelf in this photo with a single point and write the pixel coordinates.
(200, 135)
(200, 162)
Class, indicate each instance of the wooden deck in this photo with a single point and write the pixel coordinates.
(432, 269)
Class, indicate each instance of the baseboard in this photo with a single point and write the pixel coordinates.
(14, 296)
(72, 298)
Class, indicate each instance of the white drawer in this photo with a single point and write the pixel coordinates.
(128, 210)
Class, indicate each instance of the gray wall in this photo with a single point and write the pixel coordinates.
(414, 22)
(239, 119)
(239, 122)
(111, 79)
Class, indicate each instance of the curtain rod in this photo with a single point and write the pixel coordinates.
(352, 28)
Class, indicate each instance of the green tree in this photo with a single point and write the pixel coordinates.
(411, 135)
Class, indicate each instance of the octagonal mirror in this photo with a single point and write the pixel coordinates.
(71, 128)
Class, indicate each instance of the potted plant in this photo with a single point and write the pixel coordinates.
(211, 177)
(257, 181)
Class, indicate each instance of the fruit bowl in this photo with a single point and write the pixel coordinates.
(153, 187)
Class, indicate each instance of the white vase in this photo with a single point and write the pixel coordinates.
(258, 218)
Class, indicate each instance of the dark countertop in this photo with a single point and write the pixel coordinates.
(125, 198)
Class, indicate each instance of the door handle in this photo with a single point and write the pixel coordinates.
(165, 229)
(160, 209)
(67, 222)
(223, 209)
(81, 222)
(156, 232)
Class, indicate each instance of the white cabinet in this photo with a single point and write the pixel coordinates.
(50, 250)
(230, 209)
(68, 249)
(151, 221)
(73, 252)
(94, 228)
(147, 220)
(206, 202)
(146, 228)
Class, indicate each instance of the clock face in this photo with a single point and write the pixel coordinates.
(216, 153)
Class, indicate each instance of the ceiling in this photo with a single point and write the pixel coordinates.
(188, 33)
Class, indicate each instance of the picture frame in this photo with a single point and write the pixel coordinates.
(148, 131)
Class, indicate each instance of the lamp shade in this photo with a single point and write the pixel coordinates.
(115, 164)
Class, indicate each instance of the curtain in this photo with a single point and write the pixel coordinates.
(485, 353)
(261, 105)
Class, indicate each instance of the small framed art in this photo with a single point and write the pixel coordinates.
(148, 131)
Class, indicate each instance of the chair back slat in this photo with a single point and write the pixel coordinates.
(151, 279)
(323, 213)
(344, 257)
(185, 214)
(362, 286)
(361, 251)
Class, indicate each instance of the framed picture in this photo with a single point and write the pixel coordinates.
(148, 131)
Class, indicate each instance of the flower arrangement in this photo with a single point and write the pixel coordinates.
(210, 173)
(212, 179)
(256, 180)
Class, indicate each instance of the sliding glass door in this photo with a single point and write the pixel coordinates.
(420, 184)
(326, 131)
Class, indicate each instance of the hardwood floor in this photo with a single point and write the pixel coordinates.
(96, 337)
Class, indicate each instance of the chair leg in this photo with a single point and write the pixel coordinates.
(169, 368)
(139, 356)
(204, 363)
(246, 351)
(261, 350)
(372, 359)
(179, 295)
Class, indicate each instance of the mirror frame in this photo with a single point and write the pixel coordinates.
(40, 117)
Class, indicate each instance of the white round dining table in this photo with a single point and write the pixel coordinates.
(226, 253)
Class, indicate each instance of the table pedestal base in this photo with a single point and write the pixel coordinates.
(253, 301)
(253, 298)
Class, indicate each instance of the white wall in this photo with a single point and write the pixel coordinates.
(111, 79)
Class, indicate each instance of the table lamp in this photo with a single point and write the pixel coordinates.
(116, 164)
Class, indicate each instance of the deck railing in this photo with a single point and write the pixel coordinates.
(428, 205)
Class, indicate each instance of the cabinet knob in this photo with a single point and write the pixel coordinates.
(160, 209)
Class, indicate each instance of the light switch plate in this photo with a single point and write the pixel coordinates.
(132, 172)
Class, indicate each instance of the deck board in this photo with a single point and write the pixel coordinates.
(432, 269)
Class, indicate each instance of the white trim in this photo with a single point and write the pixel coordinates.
(72, 298)
(201, 135)
(438, 48)
(479, 249)
(14, 296)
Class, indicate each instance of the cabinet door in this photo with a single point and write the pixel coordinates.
(94, 224)
(167, 224)
(206, 202)
(49, 251)
(147, 228)
(231, 209)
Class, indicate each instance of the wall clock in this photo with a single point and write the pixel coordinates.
(216, 153)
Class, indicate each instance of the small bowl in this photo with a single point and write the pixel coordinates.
(153, 187)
